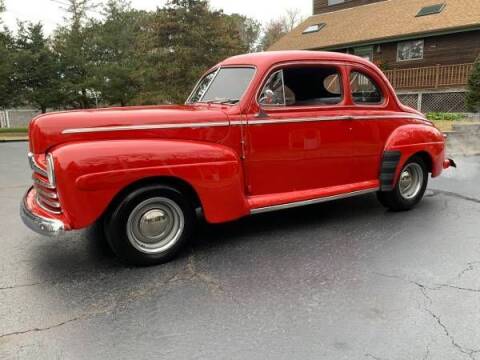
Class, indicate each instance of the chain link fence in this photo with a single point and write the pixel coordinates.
(446, 101)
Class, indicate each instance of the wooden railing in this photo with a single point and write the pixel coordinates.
(430, 77)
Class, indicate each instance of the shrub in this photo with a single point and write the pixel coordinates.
(473, 95)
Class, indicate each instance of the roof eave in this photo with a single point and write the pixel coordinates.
(406, 37)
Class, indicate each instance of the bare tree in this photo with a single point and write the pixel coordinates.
(277, 28)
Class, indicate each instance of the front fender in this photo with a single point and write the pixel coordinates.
(90, 174)
(411, 139)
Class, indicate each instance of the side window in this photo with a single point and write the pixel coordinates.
(364, 89)
(273, 93)
(303, 86)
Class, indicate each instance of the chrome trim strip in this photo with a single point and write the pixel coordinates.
(46, 194)
(249, 122)
(52, 211)
(39, 224)
(52, 203)
(312, 201)
(35, 167)
(145, 127)
(42, 183)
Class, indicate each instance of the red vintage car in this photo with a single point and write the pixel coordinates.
(259, 132)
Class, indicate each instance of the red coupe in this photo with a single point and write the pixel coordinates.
(259, 132)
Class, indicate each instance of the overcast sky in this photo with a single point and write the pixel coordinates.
(48, 12)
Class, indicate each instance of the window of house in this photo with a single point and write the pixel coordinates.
(314, 28)
(364, 52)
(364, 89)
(431, 10)
(303, 86)
(410, 50)
(335, 2)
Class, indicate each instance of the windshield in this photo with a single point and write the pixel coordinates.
(225, 85)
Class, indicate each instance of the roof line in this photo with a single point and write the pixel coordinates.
(410, 36)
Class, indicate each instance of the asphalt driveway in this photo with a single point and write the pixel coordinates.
(343, 280)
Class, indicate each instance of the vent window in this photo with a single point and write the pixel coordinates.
(314, 28)
(431, 10)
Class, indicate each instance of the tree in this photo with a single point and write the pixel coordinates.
(37, 69)
(113, 52)
(248, 29)
(277, 28)
(71, 46)
(182, 40)
(473, 95)
(8, 85)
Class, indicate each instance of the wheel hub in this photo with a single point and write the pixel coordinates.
(155, 225)
(411, 181)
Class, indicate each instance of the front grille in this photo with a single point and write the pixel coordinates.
(47, 196)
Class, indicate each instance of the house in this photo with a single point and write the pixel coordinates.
(425, 47)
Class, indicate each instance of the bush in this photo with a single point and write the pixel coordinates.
(473, 95)
(444, 116)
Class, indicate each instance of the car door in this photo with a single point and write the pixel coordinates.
(300, 138)
(372, 122)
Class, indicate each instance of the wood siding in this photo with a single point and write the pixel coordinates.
(321, 6)
(459, 48)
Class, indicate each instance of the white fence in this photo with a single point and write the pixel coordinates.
(17, 118)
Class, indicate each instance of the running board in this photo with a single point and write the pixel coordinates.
(312, 201)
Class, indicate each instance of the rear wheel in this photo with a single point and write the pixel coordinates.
(150, 225)
(410, 186)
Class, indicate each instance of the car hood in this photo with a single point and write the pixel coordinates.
(49, 130)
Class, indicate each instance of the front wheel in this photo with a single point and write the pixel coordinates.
(150, 225)
(410, 186)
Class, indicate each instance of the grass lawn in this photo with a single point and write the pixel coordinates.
(447, 125)
(22, 131)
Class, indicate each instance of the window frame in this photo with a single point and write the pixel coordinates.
(339, 66)
(410, 41)
(336, 2)
(379, 84)
(216, 70)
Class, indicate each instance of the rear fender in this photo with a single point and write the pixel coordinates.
(90, 175)
(412, 139)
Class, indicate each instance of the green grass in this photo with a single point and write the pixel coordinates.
(436, 116)
(13, 130)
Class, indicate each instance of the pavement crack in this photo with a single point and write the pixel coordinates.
(424, 288)
(38, 329)
(211, 283)
(370, 356)
(469, 352)
(19, 286)
(456, 195)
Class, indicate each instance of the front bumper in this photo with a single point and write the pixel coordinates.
(36, 222)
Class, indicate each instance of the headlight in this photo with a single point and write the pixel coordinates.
(50, 170)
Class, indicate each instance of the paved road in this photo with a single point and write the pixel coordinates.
(344, 280)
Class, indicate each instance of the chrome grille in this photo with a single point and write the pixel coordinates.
(47, 196)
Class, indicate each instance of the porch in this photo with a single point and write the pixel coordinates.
(430, 77)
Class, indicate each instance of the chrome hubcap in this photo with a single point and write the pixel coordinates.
(411, 181)
(155, 225)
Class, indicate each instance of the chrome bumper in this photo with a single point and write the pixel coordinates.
(39, 224)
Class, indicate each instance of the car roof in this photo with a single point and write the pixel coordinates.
(268, 58)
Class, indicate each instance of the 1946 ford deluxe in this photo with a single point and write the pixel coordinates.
(259, 132)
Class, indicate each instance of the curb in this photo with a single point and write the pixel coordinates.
(6, 140)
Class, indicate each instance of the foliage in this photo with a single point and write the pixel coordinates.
(125, 56)
(473, 95)
(435, 116)
(37, 69)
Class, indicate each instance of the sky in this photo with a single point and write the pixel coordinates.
(49, 13)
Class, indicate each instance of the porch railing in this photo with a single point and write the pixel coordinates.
(430, 77)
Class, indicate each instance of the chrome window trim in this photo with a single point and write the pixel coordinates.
(312, 201)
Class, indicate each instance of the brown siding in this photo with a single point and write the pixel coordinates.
(321, 6)
(460, 48)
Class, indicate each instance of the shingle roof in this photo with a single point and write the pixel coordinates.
(381, 21)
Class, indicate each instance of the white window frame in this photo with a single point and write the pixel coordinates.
(410, 41)
(335, 2)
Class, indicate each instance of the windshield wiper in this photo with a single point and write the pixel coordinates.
(224, 101)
